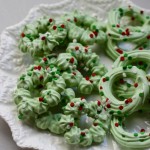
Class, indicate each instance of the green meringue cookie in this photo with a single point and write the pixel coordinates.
(66, 61)
(43, 122)
(20, 94)
(85, 86)
(76, 107)
(99, 70)
(98, 134)
(131, 104)
(85, 140)
(66, 122)
(57, 84)
(68, 94)
(25, 82)
(51, 97)
(29, 107)
(55, 124)
(94, 108)
(73, 136)
(72, 79)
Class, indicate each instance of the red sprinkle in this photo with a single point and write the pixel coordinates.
(76, 48)
(44, 59)
(83, 133)
(98, 103)
(71, 60)
(123, 33)
(95, 124)
(119, 51)
(54, 27)
(120, 107)
(87, 78)
(109, 34)
(142, 130)
(35, 67)
(121, 58)
(39, 67)
(127, 101)
(135, 85)
(75, 19)
(74, 73)
(22, 34)
(141, 11)
(82, 98)
(118, 26)
(148, 37)
(130, 100)
(43, 38)
(95, 33)
(116, 124)
(80, 108)
(93, 74)
(86, 50)
(108, 106)
(91, 35)
(140, 48)
(132, 18)
(41, 77)
(50, 20)
(71, 124)
(104, 79)
(41, 99)
(72, 104)
(122, 81)
(101, 87)
(107, 99)
(63, 26)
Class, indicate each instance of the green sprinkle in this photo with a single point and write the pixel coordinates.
(147, 17)
(120, 31)
(126, 115)
(121, 14)
(55, 78)
(22, 78)
(113, 25)
(123, 136)
(107, 78)
(111, 112)
(135, 134)
(141, 94)
(29, 73)
(101, 125)
(51, 66)
(124, 67)
(124, 39)
(81, 104)
(128, 85)
(101, 93)
(53, 73)
(129, 58)
(20, 117)
(119, 112)
(125, 55)
(94, 27)
(130, 66)
(120, 9)
(142, 133)
(50, 79)
(58, 72)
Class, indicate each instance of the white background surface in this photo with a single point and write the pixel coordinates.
(12, 12)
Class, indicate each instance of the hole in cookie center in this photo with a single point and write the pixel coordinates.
(137, 121)
(126, 46)
(123, 88)
(85, 122)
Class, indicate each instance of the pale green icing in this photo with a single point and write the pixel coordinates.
(58, 84)
(68, 94)
(99, 70)
(66, 61)
(94, 108)
(73, 136)
(136, 140)
(133, 32)
(79, 107)
(20, 94)
(98, 133)
(73, 78)
(87, 139)
(51, 97)
(85, 86)
(138, 98)
(25, 82)
(65, 121)
(55, 124)
(29, 107)
(44, 121)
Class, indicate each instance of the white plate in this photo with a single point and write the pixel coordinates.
(13, 63)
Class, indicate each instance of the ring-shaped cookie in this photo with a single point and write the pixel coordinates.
(131, 104)
(138, 34)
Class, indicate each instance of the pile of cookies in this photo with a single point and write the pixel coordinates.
(46, 94)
